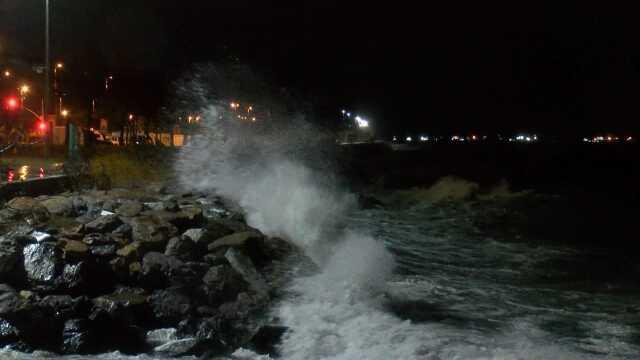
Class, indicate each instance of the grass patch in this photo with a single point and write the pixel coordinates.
(134, 166)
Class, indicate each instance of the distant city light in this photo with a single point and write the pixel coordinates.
(12, 103)
(409, 139)
(344, 112)
(424, 138)
(65, 113)
(395, 138)
(362, 123)
(348, 114)
(7, 73)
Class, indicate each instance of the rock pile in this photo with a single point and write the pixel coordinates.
(137, 272)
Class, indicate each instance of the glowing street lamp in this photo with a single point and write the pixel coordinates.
(64, 113)
(24, 90)
(11, 103)
(7, 73)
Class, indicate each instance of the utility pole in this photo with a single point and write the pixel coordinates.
(47, 67)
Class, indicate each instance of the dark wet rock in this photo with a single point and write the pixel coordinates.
(74, 250)
(79, 337)
(182, 248)
(97, 239)
(159, 270)
(110, 205)
(104, 250)
(222, 284)
(131, 252)
(195, 235)
(120, 269)
(235, 322)
(189, 217)
(42, 262)
(235, 240)
(216, 259)
(266, 340)
(129, 209)
(186, 218)
(59, 205)
(243, 265)
(104, 224)
(87, 277)
(11, 264)
(23, 204)
(9, 300)
(171, 305)
(8, 333)
(153, 233)
(74, 275)
(125, 230)
(28, 210)
(79, 204)
(170, 205)
(161, 336)
(177, 348)
(64, 306)
(126, 306)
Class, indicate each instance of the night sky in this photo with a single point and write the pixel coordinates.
(556, 69)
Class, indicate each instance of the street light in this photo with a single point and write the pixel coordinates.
(24, 90)
(64, 113)
(7, 73)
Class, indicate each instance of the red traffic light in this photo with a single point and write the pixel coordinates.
(12, 103)
(42, 126)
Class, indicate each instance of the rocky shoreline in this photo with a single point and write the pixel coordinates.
(137, 271)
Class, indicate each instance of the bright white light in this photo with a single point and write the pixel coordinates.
(348, 114)
(424, 138)
(409, 139)
(344, 112)
(362, 123)
(586, 140)
(528, 139)
(629, 138)
(395, 138)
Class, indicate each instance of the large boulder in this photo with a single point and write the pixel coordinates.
(23, 204)
(172, 305)
(159, 270)
(42, 263)
(8, 333)
(186, 218)
(79, 337)
(152, 232)
(176, 348)
(29, 210)
(87, 278)
(235, 240)
(222, 284)
(243, 265)
(11, 265)
(195, 235)
(74, 250)
(129, 209)
(103, 224)
(59, 205)
(9, 300)
(182, 248)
